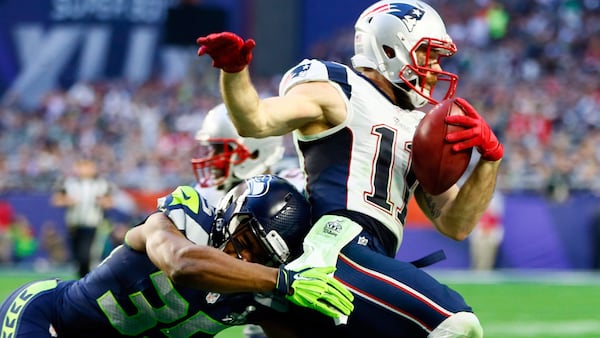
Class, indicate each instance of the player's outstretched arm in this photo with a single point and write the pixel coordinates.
(253, 116)
(208, 268)
(198, 266)
(232, 55)
(456, 212)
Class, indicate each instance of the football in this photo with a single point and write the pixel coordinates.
(435, 164)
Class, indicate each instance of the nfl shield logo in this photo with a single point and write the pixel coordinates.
(212, 297)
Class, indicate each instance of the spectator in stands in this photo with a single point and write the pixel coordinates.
(53, 243)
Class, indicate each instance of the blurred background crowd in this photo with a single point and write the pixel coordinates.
(532, 68)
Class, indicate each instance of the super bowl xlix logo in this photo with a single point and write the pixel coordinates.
(333, 227)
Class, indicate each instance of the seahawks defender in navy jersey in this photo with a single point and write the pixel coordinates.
(263, 219)
(353, 133)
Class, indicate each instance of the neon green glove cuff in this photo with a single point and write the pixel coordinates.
(315, 289)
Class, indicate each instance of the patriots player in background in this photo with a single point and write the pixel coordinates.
(155, 284)
(224, 158)
(353, 131)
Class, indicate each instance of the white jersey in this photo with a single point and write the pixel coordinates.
(211, 194)
(363, 164)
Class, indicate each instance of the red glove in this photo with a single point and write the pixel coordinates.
(228, 51)
(478, 133)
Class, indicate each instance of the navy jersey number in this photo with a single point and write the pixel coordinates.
(147, 317)
(382, 173)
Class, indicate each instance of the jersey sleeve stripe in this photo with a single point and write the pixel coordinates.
(339, 74)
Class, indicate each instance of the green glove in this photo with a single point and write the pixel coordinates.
(315, 289)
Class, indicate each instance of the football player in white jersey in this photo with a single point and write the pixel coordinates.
(353, 131)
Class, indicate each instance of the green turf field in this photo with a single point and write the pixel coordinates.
(534, 304)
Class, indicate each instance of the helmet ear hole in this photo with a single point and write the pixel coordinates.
(389, 52)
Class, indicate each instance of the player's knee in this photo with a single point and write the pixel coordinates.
(459, 325)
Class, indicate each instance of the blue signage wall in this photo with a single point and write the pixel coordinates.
(538, 234)
(58, 42)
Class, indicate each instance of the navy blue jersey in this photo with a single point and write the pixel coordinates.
(392, 299)
(126, 295)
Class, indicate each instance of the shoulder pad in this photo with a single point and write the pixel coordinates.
(182, 196)
(187, 209)
(305, 71)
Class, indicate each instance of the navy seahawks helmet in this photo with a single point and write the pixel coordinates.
(278, 215)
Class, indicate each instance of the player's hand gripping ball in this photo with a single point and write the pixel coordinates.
(435, 163)
(477, 133)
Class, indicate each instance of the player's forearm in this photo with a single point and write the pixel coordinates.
(211, 269)
(242, 102)
(471, 202)
(197, 266)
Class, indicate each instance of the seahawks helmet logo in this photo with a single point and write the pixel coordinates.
(259, 185)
